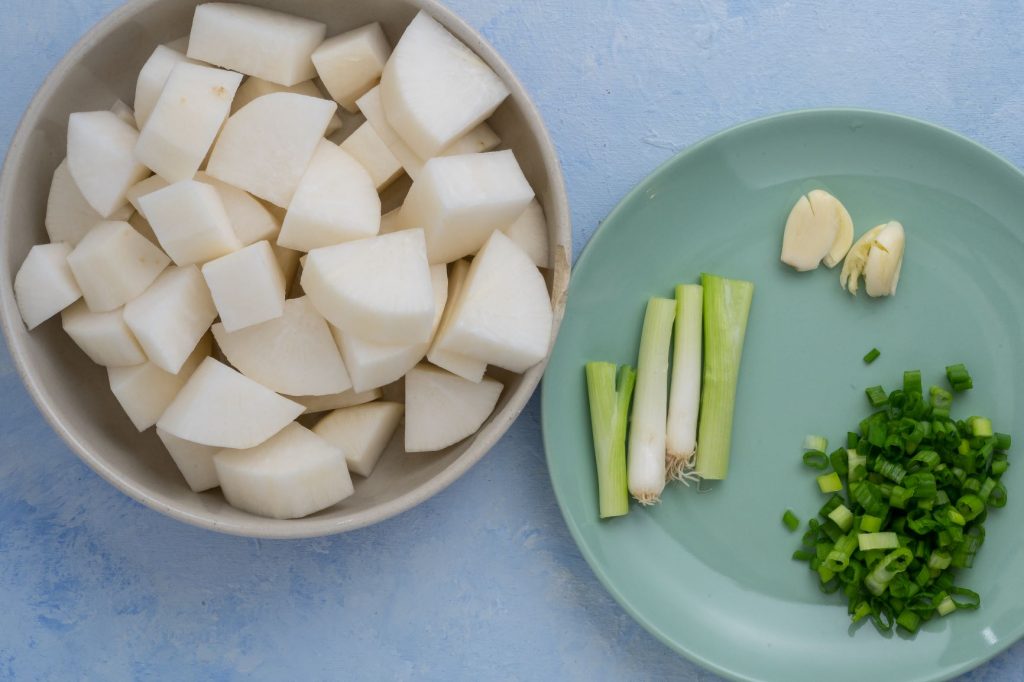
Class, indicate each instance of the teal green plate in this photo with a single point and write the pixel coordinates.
(710, 574)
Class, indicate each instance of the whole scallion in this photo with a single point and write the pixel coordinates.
(684, 398)
(609, 390)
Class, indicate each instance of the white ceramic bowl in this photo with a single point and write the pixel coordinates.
(73, 394)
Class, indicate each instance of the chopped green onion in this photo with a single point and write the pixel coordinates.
(684, 399)
(939, 397)
(889, 567)
(856, 465)
(830, 483)
(815, 459)
(609, 412)
(819, 443)
(869, 541)
(842, 516)
(1002, 441)
(646, 462)
(981, 427)
(876, 396)
(726, 308)
(870, 524)
(909, 621)
(959, 378)
(791, 521)
(912, 381)
(872, 355)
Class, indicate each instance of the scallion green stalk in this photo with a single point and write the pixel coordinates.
(684, 398)
(726, 308)
(646, 461)
(609, 415)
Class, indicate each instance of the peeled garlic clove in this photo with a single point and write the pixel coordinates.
(885, 259)
(811, 230)
(822, 201)
(857, 258)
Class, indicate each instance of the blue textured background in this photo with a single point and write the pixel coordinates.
(482, 582)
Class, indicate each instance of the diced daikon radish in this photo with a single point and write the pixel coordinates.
(389, 221)
(369, 150)
(113, 264)
(44, 285)
(194, 461)
(441, 409)
(257, 87)
(250, 219)
(325, 403)
(220, 407)
(441, 353)
(68, 215)
(335, 202)
(247, 286)
(266, 146)
(145, 390)
(152, 78)
(293, 474)
(530, 232)
(288, 259)
(190, 221)
(362, 432)
(258, 42)
(478, 140)
(350, 64)
(373, 109)
(460, 200)
(140, 189)
(293, 354)
(171, 316)
(104, 337)
(503, 313)
(186, 119)
(435, 89)
(370, 364)
(125, 113)
(377, 288)
(101, 158)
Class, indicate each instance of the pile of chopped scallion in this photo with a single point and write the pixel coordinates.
(908, 499)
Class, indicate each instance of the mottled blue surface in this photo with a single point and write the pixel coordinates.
(483, 582)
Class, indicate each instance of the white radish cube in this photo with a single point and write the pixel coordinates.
(141, 189)
(44, 285)
(68, 215)
(289, 262)
(530, 233)
(101, 158)
(171, 316)
(326, 403)
(370, 364)
(435, 89)
(377, 288)
(104, 337)
(220, 407)
(389, 222)
(145, 390)
(193, 106)
(190, 221)
(441, 409)
(373, 109)
(293, 474)
(124, 112)
(350, 64)
(293, 354)
(460, 200)
(441, 353)
(250, 219)
(476, 141)
(369, 150)
(266, 146)
(113, 264)
(253, 88)
(194, 461)
(257, 42)
(247, 286)
(152, 78)
(362, 432)
(336, 201)
(503, 313)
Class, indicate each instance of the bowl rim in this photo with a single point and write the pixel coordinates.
(559, 223)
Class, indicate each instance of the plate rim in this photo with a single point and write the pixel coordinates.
(548, 422)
